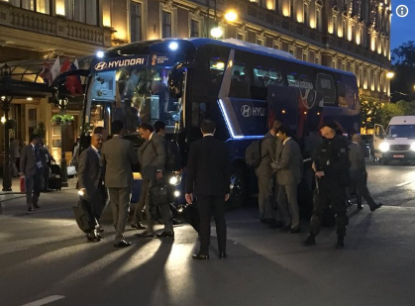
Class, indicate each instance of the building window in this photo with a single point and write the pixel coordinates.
(166, 25)
(85, 11)
(135, 21)
(318, 20)
(194, 28)
(240, 37)
(335, 24)
(40, 6)
(305, 14)
(344, 29)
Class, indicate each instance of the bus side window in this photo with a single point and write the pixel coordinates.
(325, 83)
(217, 68)
(240, 81)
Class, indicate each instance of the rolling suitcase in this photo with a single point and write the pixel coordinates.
(55, 180)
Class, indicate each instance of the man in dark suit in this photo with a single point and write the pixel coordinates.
(264, 174)
(31, 169)
(208, 178)
(358, 174)
(152, 158)
(90, 182)
(46, 159)
(117, 158)
(288, 177)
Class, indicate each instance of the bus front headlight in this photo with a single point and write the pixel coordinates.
(174, 180)
(413, 147)
(384, 147)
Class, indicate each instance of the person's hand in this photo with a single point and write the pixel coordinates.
(314, 167)
(159, 175)
(320, 174)
(227, 196)
(189, 198)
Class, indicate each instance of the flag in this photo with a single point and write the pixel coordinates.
(46, 74)
(73, 82)
(55, 70)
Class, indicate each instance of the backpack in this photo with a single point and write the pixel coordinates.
(173, 159)
(253, 155)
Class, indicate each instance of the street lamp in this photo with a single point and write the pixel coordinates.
(64, 175)
(5, 75)
(231, 15)
(216, 32)
(390, 75)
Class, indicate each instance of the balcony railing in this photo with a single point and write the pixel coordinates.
(57, 26)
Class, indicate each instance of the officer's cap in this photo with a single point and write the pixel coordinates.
(331, 124)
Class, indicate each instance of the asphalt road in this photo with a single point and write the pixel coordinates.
(45, 259)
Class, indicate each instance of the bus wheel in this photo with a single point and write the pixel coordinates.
(238, 188)
(385, 161)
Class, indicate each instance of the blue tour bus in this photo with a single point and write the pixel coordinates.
(243, 87)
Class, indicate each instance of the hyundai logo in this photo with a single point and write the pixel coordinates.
(246, 111)
(100, 66)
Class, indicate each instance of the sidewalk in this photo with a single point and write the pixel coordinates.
(14, 203)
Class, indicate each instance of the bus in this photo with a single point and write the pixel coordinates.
(243, 87)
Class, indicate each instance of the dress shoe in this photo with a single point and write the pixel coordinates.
(146, 235)
(122, 244)
(200, 257)
(294, 230)
(36, 206)
(286, 228)
(30, 209)
(93, 237)
(100, 229)
(340, 242)
(266, 220)
(275, 224)
(222, 255)
(176, 222)
(359, 206)
(165, 234)
(310, 240)
(349, 203)
(376, 207)
(138, 225)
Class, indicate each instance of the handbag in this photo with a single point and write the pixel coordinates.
(22, 184)
(71, 170)
(159, 195)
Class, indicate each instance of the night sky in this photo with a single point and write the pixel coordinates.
(402, 28)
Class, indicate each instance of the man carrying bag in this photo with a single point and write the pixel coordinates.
(152, 159)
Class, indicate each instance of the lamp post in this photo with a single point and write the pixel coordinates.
(64, 176)
(5, 75)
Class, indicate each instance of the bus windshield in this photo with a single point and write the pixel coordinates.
(133, 92)
(401, 131)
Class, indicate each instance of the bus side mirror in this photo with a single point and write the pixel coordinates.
(176, 79)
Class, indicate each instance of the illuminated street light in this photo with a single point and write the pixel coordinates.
(390, 74)
(216, 32)
(231, 15)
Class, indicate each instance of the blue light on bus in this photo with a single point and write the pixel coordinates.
(173, 46)
(100, 54)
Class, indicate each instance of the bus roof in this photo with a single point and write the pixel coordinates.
(239, 45)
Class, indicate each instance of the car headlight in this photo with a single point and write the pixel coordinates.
(413, 147)
(175, 180)
(384, 147)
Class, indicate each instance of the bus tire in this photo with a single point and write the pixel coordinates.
(238, 188)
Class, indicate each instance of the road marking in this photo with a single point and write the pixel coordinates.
(46, 300)
(404, 183)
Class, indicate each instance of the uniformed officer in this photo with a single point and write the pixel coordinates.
(331, 167)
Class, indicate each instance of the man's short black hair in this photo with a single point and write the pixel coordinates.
(159, 125)
(33, 137)
(208, 126)
(146, 126)
(116, 127)
(285, 130)
(98, 130)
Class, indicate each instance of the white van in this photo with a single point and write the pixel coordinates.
(398, 142)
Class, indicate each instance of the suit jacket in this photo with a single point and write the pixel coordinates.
(152, 156)
(357, 159)
(28, 160)
(208, 168)
(117, 158)
(289, 164)
(268, 154)
(89, 173)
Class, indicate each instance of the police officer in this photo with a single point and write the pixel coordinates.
(331, 168)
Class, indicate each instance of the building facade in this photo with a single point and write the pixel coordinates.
(352, 35)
